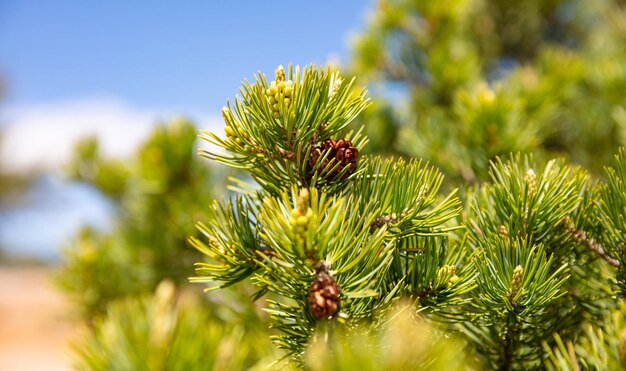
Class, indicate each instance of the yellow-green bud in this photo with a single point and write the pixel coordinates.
(280, 73)
(281, 86)
(445, 273)
(272, 100)
(503, 231)
(275, 106)
(275, 115)
(531, 180)
(336, 84)
(454, 279)
(302, 220)
(229, 131)
(273, 89)
(286, 102)
(303, 201)
(288, 91)
(516, 280)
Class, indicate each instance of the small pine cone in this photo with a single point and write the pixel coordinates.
(324, 296)
(341, 150)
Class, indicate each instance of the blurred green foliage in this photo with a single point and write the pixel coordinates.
(469, 80)
(170, 331)
(403, 341)
(160, 193)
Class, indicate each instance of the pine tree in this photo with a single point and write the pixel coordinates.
(465, 81)
(331, 244)
(361, 261)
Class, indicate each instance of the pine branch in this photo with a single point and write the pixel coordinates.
(591, 243)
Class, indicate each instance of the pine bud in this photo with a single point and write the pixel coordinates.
(323, 298)
(302, 220)
(336, 83)
(303, 200)
(516, 281)
(445, 273)
(229, 131)
(454, 279)
(502, 231)
(531, 181)
(273, 90)
(288, 90)
(280, 74)
(280, 91)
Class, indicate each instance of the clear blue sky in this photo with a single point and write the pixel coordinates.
(187, 55)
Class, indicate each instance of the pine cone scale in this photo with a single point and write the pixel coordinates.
(324, 297)
(341, 154)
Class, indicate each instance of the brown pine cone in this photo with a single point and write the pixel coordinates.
(341, 151)
(324, 296)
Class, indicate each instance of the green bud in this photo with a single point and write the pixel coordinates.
(229, 131)
(275, 106)
(273, 90)
(288, 91)
(276, 115)
(281, 86)
(286, 102)
(272, 100)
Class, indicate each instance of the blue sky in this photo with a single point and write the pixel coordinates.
(184, 56)
(114, 68)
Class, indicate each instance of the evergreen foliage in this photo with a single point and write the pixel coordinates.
(175, 331)
(160, 193)
(465, 81)
(518, 274)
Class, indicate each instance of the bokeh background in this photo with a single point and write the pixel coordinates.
(115, 69)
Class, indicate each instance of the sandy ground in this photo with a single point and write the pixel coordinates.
(35, 322)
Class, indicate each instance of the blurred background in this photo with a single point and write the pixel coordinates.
(115, 70)
(101, 104)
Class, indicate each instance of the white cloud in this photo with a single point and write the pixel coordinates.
(42, 136)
